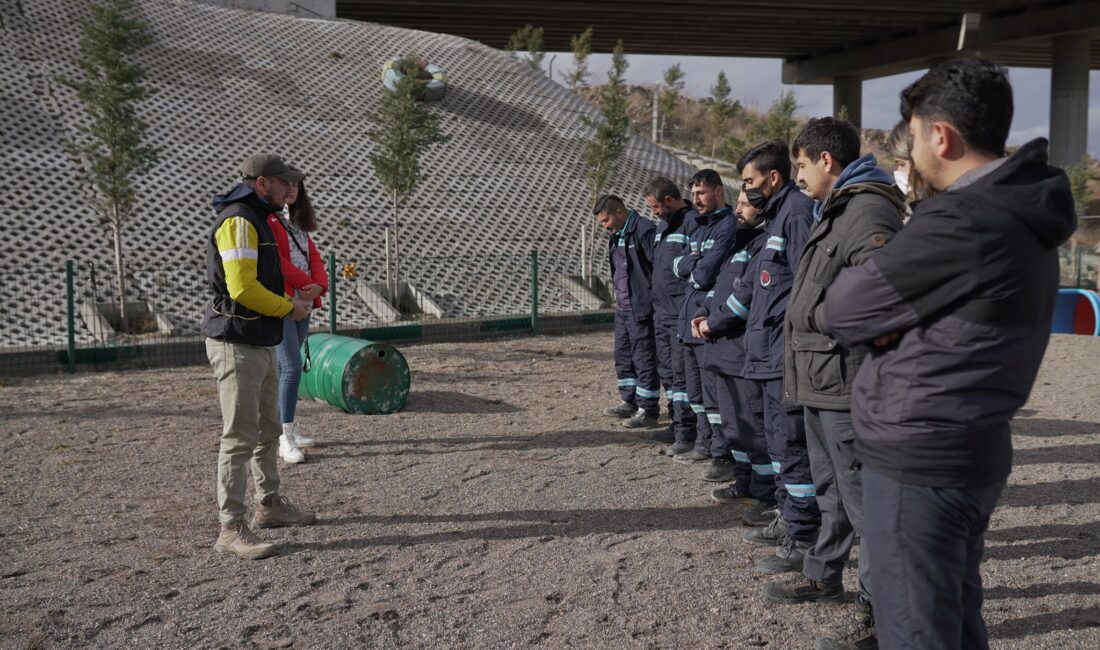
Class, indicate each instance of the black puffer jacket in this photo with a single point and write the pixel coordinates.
(970, 285)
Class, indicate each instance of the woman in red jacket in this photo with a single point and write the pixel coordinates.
(305, 277)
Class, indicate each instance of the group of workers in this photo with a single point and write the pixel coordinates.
(848, 377)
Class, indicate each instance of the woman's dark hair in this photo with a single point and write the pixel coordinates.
(301, 213)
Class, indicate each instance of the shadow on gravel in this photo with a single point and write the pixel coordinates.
(438, 401)
(1044, 428)
(543, 524)
(1062, 454)
(548, 440)
(1075, 618)
(1066, 541)
(1065, 453)
(1086, 490)
(1041, 590)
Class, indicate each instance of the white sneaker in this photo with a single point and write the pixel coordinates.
(290, 429)
(289, 452)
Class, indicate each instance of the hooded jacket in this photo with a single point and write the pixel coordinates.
(860, 215)
(244, 273)
(970, 286)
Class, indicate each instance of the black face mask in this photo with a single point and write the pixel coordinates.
(755, 197)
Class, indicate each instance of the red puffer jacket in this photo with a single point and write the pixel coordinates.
(294, 277)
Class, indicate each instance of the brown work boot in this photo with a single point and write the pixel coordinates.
(276, 511)
(237, 539)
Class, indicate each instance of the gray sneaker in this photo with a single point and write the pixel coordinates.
(692, 456)
(734, 493)
(621, 410)
(678, 448)
(788, 557)
(720, 470)
(857, 635)
(640, 420)
(236, 539)
(769, 535)
(761, 514)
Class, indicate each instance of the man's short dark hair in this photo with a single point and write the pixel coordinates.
(971, 94)
(661, 188)
(608, 202)
(767, 157)
(707, 177)
(822, 134)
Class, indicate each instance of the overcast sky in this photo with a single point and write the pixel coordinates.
(756, 82)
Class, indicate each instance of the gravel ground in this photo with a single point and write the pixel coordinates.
(499, 509)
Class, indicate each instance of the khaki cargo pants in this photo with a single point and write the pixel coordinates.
(248, 387)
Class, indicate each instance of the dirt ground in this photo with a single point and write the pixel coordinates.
(499, 509)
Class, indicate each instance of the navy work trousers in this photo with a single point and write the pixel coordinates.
(795, 490)
(670, 368)
(741, 404)
(697, 393)
(636, 362)
(926, 547)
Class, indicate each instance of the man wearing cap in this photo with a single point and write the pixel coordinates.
(242, 322)
(630, 254)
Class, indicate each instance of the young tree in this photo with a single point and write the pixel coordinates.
(779, 123)
(582, 49)
(608, 143)
(111, 146)
(672, 86)
(528, 39)
(720, 111)
(402, 131)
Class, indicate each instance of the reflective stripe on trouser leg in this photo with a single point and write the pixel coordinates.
(643, 353)
(694, 382)
(725, 388)
(750, 436)
(664, 338)
(719, 445)
(785, 429)
(624, 361)
(686, 426)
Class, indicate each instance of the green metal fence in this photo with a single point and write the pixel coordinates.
(68, 319)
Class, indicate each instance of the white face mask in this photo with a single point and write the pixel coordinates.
(902, 180)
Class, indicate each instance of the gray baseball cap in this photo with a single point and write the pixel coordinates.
(269, 164)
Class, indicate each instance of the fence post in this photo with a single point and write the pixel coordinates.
(534, 291)
(70, 312)
(332, 293)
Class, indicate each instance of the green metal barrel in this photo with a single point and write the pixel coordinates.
(355, 375)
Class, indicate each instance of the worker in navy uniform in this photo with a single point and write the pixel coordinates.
(721, 322)
(788, 213)
(709, 247)
(677, 220)
(630, 254)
